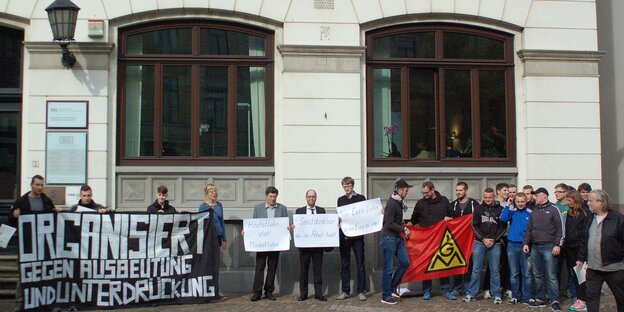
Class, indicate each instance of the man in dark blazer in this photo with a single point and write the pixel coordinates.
(313, 254)
(269, 209)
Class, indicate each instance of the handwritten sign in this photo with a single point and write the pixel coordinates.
(266, 234)
(316, 230)
(361, 218)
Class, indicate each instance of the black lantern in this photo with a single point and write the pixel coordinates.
(63, 15)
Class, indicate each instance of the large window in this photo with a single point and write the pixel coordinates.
(195, 92)
(440, 95)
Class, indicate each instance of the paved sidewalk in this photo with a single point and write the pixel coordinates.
(241, 303)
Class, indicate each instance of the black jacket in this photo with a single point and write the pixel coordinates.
(23, 204)
(471, 206)
(428, 212)
(393, 218)
(545, 226)
(612, 242)
(486, 222)
(574, 228)
(155, 206)
(343, 201)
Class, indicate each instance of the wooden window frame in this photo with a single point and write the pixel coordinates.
(441, 64)
(196, 60)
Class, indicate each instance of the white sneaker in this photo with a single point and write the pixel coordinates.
(486, 294)
(509, 294)
(362, 296)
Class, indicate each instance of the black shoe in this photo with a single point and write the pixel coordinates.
(536, 303)
(320, 297)
(269, 296)
(302, 298)
(255, 297)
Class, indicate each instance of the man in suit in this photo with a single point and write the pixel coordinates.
(269, 209)
(314, 254)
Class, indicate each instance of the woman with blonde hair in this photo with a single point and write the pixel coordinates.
(574, 224)
(211, 204)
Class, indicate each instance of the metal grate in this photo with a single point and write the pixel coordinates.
(324, 4)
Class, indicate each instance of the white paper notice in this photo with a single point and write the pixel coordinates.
(266, 234)
(84, 209)
(581, 272)
(6, 232)
(316, 230)
(361, 218)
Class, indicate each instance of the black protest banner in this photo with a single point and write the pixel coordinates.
(92, 260)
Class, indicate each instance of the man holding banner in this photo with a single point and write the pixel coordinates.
(392, 243)
(428, 211)
(347, 243)
(269, 209)
(314, 254)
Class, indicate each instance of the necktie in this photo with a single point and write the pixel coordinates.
(312, 210)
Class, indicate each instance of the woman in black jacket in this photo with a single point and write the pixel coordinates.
(603, 250)
(574, 223)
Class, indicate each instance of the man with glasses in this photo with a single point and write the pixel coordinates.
(347, 244)
(429, 210)
(561, 190)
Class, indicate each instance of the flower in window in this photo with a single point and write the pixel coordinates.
(393, 150)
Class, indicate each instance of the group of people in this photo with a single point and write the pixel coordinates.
(525, 238)
(523, 235)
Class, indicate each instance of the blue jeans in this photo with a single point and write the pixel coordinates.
(479, 252)
(545, 270)
(392, 246)
(519, 268)
(444, 285)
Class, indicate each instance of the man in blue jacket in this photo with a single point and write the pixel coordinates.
(518, 217)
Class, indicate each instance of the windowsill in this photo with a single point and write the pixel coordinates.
(193, 169)
(463, 170)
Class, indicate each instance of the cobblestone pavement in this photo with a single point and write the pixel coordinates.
(241, 303)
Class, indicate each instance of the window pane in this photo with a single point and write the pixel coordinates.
(139, 102)
(467, 46)
(10, 57)
(492, 111)
(387, 107)
(250, 112)
(176, 114)
(167, 41)
(408, 45)
(213, 118)
(227, 42)
(458, 113)
(422, 113)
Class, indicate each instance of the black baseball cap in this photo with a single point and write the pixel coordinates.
(400, 183)
(540, 190)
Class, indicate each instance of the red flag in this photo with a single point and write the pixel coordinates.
(441, 250)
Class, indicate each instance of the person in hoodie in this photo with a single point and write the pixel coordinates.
(428, 211)
(86, 201)
(518, 216)
(161, 204)
(544, 239)
(462, 206)
(488, 230)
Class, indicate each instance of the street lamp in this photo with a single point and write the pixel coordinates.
(63, 15)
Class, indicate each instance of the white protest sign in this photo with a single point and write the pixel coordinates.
(361, 218)
(266, 234)
(6, 232)
(316, 230)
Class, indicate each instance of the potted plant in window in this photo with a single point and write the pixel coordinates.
(393, 150)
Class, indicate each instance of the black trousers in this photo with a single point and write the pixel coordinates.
(593, 283)
(265, 259)
(314, 255)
